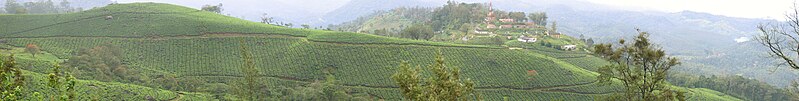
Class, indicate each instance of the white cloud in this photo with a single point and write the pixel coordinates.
(742, 39)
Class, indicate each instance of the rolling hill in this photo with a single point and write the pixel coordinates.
(164, 39)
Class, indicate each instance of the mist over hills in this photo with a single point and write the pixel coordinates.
(706, 41)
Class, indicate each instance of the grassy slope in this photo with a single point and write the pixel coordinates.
(173, 39)
(36, 82)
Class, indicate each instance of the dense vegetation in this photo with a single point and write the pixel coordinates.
(165, 52)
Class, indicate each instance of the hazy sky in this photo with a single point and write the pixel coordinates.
(734, 8)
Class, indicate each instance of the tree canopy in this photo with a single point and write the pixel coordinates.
(444, 85)
(641, 67)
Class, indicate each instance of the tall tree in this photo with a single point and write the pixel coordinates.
(781, 41)
(62, 84)
(11, 80)
(518, 16)
(250, 87)
(267, 19)
(641, 67)
(554, 27)
(444, 85)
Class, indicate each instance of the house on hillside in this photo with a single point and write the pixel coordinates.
(505, 26)
(555, 35)
(491, 26)
(569, 47)
(507, 20)
(482, 32)
(527, 39)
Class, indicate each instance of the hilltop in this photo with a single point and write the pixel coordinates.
(191, 47)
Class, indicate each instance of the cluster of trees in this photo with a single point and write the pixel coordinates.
(61, 84)
(12, 80)
(39, 7)
(444, 84)
(418, 32)
(213, 8)
(641, 67)
(540, 18)
(454, 14)
(588, 42)
(744, 88)
(102, 63)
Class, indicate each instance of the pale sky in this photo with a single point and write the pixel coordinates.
(773, 9)
(770, 9)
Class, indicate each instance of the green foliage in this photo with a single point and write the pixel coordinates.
(518, 16)
(102, 63)
(540, 18)
(11, 80)
(641, 67)
(33, 49)
(444, 85)
(213, 8)
(173, 46)
(252, 85)
(418, 32)
(738, 86)
(454, 14)
(62, 85)
(12, 7)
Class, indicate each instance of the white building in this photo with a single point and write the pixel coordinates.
(527, 39)
(569, 47)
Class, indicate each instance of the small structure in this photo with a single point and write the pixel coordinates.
(555, 35)
(491, 26)
(507, 20)
(109, 17)
(569, 47)
(482, 32)
(505, 26)
(527, 39)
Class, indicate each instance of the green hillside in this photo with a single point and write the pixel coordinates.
(164, 39)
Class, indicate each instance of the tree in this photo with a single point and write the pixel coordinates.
(540, 18)
(589, 42)
(250, 87)
(213, 8)
(63, 86)
(518, 16)
(418, 32)
(641, 67)
(12, 7)
(11, 80)
(306, 26)
(266, 19)
(444, 85)
(554, 26)
(781, 39)
(64, 6)
(103, 63)
(33, 49)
